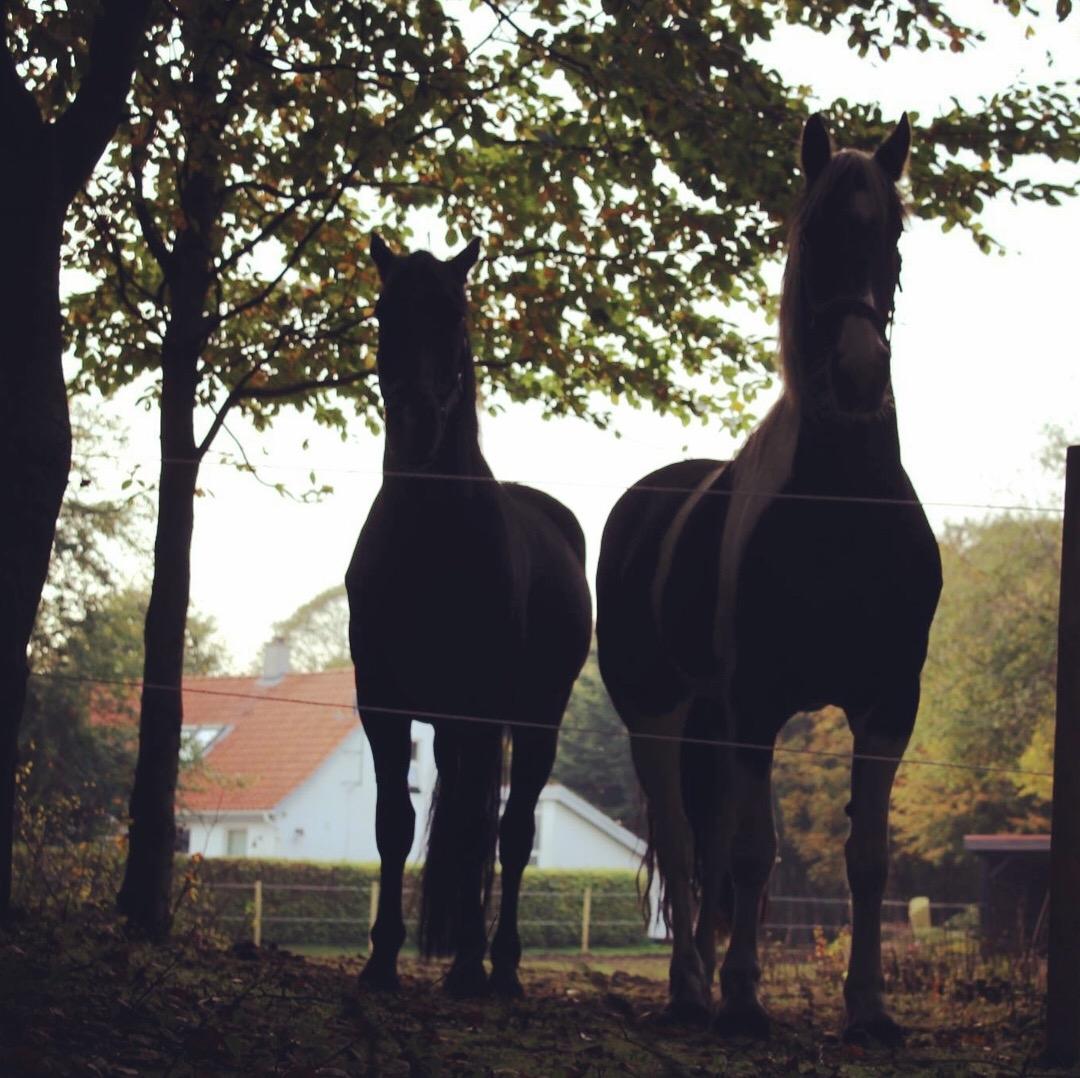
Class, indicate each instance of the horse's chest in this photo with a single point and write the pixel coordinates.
(444, 584)
(835, 598)
(845, 561)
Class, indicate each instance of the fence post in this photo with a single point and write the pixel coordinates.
(586, 912)
(373, 905)
(256, 928)
(1063, 950)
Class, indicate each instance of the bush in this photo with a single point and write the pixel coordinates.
(329, 904)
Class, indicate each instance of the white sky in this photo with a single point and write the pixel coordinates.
(984, 356)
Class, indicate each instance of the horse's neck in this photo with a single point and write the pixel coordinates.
(458, 473)
(847, 455)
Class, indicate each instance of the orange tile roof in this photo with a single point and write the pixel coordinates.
(276, 736)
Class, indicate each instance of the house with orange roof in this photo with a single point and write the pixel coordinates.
(277, 766)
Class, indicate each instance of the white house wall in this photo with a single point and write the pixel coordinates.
(209, 833)
(331, 817)
(571, 842)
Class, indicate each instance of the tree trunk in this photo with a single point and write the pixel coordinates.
(146, 892)
(35, 434)
(45, 166)
(35, 443)
(145, 897)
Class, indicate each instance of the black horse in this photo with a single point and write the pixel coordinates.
(469, 609)
(803, 573)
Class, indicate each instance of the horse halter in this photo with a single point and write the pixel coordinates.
(819, 314)
(841, 306)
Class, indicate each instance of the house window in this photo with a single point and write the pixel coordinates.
(534, 856)
(236, 842)
(195, 742)
(182, 842)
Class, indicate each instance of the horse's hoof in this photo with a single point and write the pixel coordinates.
(378, 977)
(467, 982)
(746, 1018)
(880, 1029)
(505, 984)
(684, 1012)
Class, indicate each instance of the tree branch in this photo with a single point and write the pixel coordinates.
(18, 107)
(85, 128)
(151, 233)
(311, 385)
(222, 412)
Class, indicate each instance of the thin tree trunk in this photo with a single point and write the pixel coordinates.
(145, 897)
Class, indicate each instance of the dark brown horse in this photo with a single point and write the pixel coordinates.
(803, 573)
(467, 598)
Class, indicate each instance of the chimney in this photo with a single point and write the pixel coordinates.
(275, 661)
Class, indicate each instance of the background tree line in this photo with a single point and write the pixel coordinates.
(628, 167)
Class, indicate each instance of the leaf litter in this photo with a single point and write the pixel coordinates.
(81, 999)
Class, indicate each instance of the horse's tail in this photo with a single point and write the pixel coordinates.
(650, 865)
(462, 829)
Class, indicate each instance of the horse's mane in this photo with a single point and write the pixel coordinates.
(842, 168)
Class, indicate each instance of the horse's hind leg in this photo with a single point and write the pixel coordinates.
(877, 756)
(395, 820)
(533, 756)
(656, 748)
(753, 851)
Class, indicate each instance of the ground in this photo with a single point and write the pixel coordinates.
(78, 998)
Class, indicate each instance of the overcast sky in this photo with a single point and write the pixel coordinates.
(984, 357)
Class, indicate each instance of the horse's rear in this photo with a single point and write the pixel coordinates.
(656, 590)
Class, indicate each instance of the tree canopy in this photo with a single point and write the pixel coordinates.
(630, 171)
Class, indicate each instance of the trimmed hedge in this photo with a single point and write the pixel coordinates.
(319, 903)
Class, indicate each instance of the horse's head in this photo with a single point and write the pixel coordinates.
(424, 360)
(843, 270)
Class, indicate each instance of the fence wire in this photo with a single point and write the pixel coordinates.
(412, 714)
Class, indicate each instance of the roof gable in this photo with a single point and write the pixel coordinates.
(275, 737)
(555, 791)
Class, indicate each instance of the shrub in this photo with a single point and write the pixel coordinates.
(329, 904)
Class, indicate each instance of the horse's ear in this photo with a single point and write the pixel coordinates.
(466, 258)
(892, 154)
(816, 148)
(382, 256)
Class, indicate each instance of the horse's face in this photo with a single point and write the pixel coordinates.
(424, 362)
(850, 266)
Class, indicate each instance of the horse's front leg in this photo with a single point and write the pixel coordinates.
(476, 808)
(533, 756)
(753, 853)
(395, 819)
(657, 751)
(873, 769)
